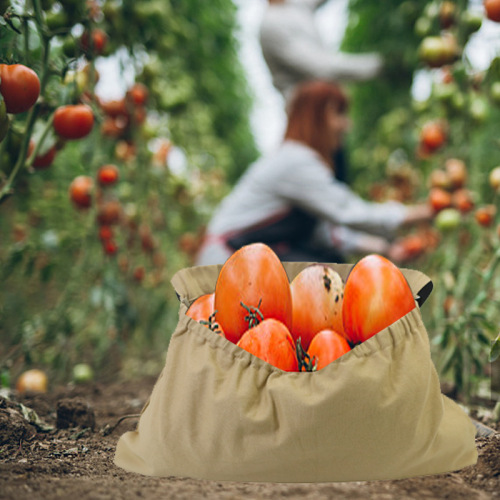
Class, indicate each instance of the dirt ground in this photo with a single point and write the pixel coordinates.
(70, 450)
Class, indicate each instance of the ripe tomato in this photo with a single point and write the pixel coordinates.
(105, 233)
(80, 191)
(32, 381)
(138, 94)
(463, 200)
(457, 172)
(139, 273)
(317, 295)
(327, 346)
(413, 245)
(44, 160)
(432, 136)
(494, 178)
(492, 8)
(110, 247)
(252, 276)
(73, 121)
(485, 215)
(19, 86)
(202, 310)
(95, 42)
(439, 199)
(107, 175)
(439, 178)
(376, 294)
(115, 108)
(109, 213)
(271, 341)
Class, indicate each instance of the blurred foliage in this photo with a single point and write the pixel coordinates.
(69, 295)
(392, 157)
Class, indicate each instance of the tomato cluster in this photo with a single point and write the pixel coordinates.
(309, 322)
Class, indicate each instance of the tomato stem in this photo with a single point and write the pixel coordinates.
(211, 323)
(254, 316)
(306, 363)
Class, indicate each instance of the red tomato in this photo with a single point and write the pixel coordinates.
(96, 42)
(110, 247)
(139, 273)
(108, 175)
(202, 310)
(73, 121)
(138, 94)
(44, 160)
(109, 213)
(463, 200)
(376, 294)
(105, 233)
(80, 191)
(271, 341)
(432, 136)
(492, 8)
(439, 199)
(485, 215)
(317, 295)
(19, 86)
(115, 108)
(254, 278)
(327, 346)
(413, 245)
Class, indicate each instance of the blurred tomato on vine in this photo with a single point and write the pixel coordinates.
(107, 175)
(73, 121)
(80, 191)
(19, 86)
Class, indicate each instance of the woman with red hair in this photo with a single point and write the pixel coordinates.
(291, 201)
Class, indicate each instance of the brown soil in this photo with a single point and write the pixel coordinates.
(70, 450)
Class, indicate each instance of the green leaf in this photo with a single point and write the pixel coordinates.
(495, 350)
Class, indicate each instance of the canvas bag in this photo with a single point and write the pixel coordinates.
(217, 412)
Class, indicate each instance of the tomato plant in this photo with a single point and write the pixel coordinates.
(272, 342)
(19, 86)
(73, 121)
(376, 294)
(252, 285)
(317, 296)
(327, 346)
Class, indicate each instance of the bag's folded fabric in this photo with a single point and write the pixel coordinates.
(217, 412)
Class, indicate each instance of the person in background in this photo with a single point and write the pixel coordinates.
(290, 200)
(295, 52)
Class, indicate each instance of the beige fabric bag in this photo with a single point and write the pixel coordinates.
(217, 412)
